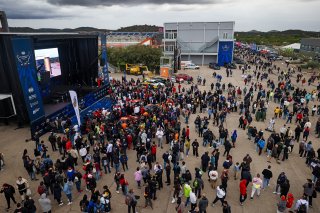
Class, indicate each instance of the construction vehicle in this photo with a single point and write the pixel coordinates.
(134, 69)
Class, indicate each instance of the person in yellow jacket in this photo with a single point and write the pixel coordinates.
(187, 145)
(277, 112)
(186, 192)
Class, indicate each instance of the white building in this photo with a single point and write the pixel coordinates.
(200, 42)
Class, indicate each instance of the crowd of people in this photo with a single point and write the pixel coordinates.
(149, 120)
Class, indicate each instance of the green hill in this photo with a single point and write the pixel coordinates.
(277, 38)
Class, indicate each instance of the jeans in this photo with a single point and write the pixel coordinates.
(187, 201)
(221, 141)
(204, 143)
(105, 167)
(78, 185)
(32, 175)
(314, 178)
(117, 166)
(265, 182)
(69, 196)
(187, 152)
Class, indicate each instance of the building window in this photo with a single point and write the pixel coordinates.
(172, 34)
(225, 35)
(169, 48)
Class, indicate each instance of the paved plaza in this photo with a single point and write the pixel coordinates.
(13, 143)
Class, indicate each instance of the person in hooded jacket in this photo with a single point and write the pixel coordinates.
(203, 204)
(243, 191)
(84, 204)
(290, 200)
(281, 206)
(45, 203)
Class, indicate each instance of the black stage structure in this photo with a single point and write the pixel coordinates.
(34, 92)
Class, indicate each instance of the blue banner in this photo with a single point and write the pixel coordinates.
(105, 71)
(225, 52)
(25, 61)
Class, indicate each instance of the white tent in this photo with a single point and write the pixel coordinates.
(294, 46)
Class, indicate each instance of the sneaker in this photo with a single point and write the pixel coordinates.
(60, 204)
(241, 204)
(69, 203)
(278, 193)
(213, 205)
(251, 198)
(118, 192)
(274, 192)
(173, 200)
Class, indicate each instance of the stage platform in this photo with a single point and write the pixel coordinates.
(51, 108)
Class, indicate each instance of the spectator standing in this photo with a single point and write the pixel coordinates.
(45, 203)
(267, 175)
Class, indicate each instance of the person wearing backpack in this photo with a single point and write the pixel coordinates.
(226, 208)
(281, 205)
(302, 205)
(84, 204)
(131, 201)
(198, 186)
(8, 191)
(308, 189)
(281, 179)
(148, 197)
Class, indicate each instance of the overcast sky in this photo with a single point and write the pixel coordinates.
(261, 15)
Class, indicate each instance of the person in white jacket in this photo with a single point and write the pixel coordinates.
(159, 135)
(193, 200)
(213, 175)
(302, 204)
(221, 194)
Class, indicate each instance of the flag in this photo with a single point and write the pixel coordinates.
(74, 101)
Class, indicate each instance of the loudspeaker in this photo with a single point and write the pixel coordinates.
(6, 108)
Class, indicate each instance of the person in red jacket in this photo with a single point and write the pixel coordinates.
(68, 145)
(154, 152)
(187, 132)
(290, 200)
(129, 141)
(243, 191)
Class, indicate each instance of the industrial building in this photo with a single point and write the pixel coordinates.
(200, 42)
(310, 46)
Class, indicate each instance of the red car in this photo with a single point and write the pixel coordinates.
(185, 77)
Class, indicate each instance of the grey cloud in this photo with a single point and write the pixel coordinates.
(30, 14)
(93, 3)
(34, 9)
